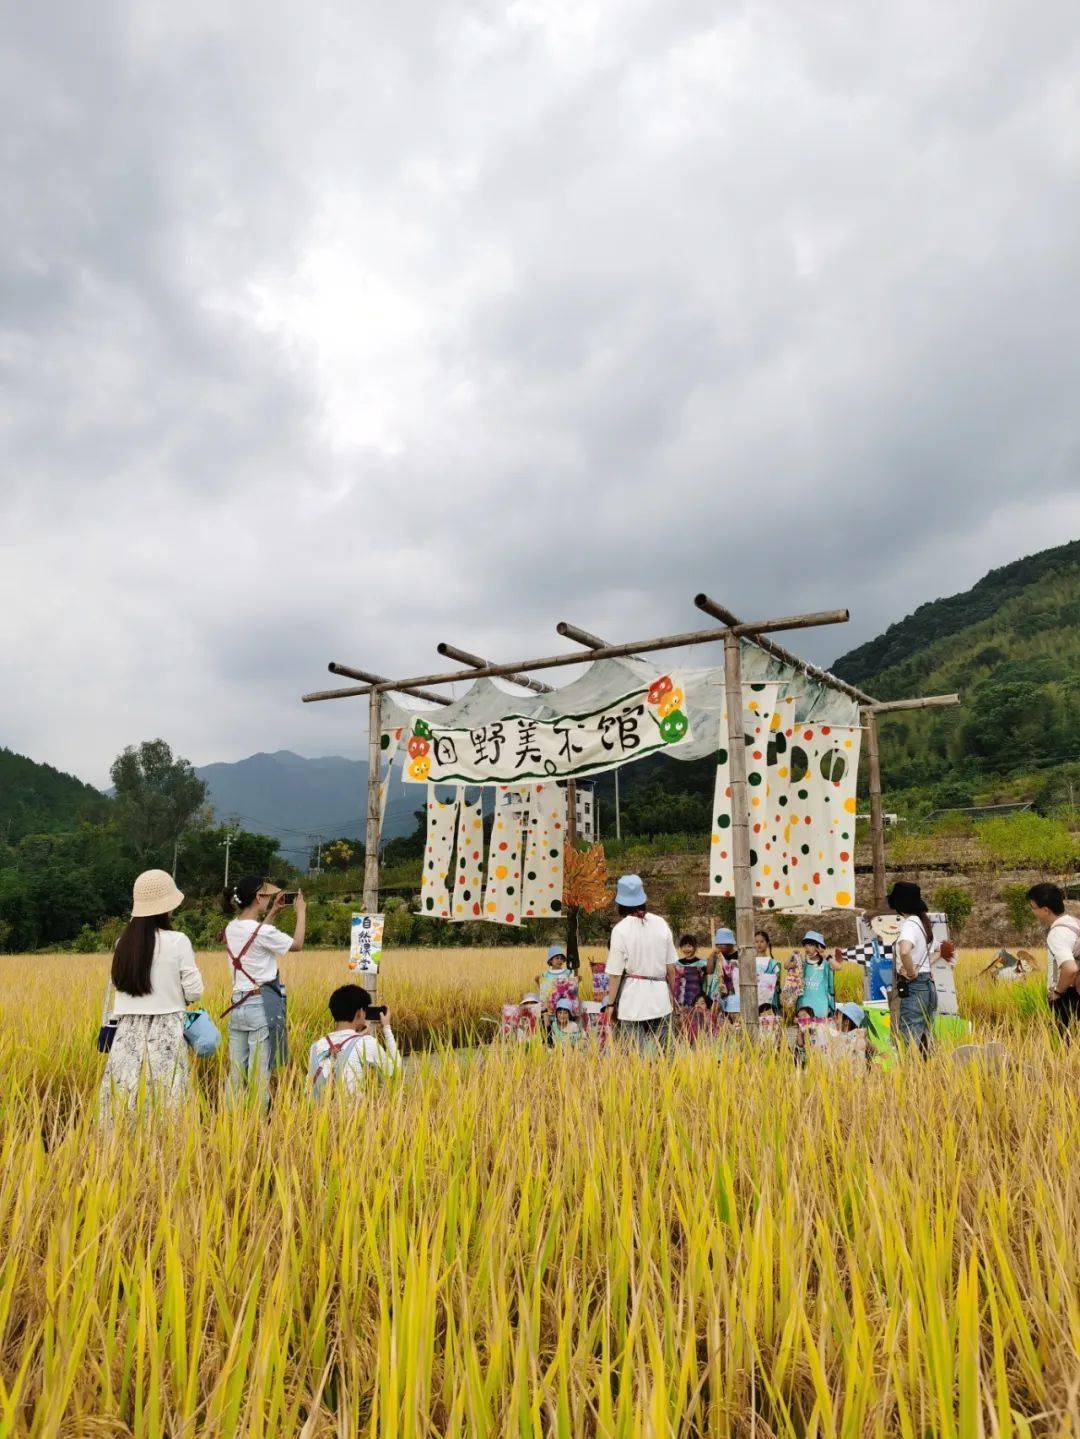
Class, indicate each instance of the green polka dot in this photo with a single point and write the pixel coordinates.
(723, 821)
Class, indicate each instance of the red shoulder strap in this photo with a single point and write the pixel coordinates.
(237, 958)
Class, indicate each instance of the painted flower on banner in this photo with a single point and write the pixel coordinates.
(420, 767)
(659, 688)
(417, 746)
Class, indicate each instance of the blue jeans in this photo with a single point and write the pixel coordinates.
(249, 1049)
(917, 1009)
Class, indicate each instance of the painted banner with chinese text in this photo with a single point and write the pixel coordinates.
(522, 749)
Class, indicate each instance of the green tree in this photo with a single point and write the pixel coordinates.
(157, 798)
(956, 905)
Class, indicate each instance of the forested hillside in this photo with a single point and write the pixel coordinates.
(37, 799)
(1011, 647)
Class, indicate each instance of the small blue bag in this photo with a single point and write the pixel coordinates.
(201, 1033)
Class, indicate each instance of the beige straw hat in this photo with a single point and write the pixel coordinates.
(154, 893)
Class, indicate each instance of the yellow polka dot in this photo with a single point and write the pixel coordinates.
(716, 839)
(500, 871)
(847, 744)
(782, 772)
(849, 805)
(774, 722)
(766, 870)
(491, 906)
(755, 801)
(842, 897)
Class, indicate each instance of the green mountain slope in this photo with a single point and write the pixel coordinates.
(1011, 646)
(37, 799)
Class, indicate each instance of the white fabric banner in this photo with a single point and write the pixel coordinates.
(759, 706)
(545, 853)
(502, 898)
(438, 852)
(469, 860)
(518, 749)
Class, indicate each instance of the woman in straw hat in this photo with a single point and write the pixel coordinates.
(156, 978)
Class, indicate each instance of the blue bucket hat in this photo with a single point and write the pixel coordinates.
(814, 936)
(630, 892)
(854, 1012)
(731, 1004)
(723, 936)
(565, 1004)
(554, 949)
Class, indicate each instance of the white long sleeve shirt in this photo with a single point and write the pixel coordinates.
(175, 981)
(351, 1063)
(1060, 938)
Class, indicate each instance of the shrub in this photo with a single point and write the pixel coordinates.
(1028, 839)
(955, 903)
(1016, 902)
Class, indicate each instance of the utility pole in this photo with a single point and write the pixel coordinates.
(175, 856)
(232, 829)
(618, 816)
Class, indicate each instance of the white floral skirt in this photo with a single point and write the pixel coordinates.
(149, 1049)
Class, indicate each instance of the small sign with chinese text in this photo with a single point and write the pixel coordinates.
(365, 944)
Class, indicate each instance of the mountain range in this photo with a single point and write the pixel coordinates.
(297, 799)
(1010, 644)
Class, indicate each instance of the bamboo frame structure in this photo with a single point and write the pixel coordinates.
(731, 632)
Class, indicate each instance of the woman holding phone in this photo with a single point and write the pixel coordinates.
(257, 1040)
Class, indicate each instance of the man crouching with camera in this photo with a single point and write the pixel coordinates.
(342, 1059)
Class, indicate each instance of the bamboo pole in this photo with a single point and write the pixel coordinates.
(664, 642)
(740, 838)
(925, 702)
(581, 637)
(722, 613)
(877, 819)
(478, 663)
(374, 679)
(374, 822)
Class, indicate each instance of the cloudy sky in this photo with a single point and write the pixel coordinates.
(331, 330)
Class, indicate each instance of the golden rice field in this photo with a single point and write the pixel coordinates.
(538, 1243)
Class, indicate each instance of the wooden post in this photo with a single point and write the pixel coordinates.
(877, 819)
(573, 951)
(740, 838)
(374, 822)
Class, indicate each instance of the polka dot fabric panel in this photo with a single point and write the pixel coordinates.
(438, 853)
(824, 766)
(544, 850)
(502, 898)
(469, 861)
(759, 705)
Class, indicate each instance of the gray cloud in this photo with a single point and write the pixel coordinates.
(329, 333)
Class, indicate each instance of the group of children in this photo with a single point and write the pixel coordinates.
(800, 992)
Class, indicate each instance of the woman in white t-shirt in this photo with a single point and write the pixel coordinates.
(913, 966)
(257, 1038)
(155, 978)
(642, 958)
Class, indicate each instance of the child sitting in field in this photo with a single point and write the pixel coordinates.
(566, 1030)
(342, 1058)
(698, 1022)
(530, 1012)
(558, 980)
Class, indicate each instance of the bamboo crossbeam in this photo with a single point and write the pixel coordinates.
(477, 662)
(664, 642)
(579, 636)
(348, 693)
(722, 613)
(374, 679)
(926, 702)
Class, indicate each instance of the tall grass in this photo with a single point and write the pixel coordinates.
(536, 1243)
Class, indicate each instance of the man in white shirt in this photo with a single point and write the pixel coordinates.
(342, 1058)
(642, 957)
(1062, 930)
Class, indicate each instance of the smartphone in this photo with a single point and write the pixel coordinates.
(375, 1011)
(288, 896)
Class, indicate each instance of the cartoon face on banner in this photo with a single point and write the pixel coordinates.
(520, 749)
